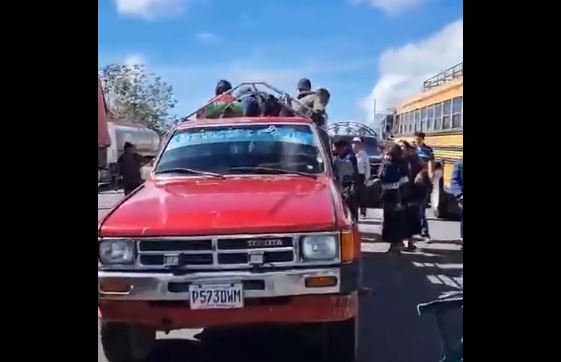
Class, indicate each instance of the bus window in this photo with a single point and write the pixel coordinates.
(417, 120)
(407, 123)
(457, 112)
(438, 117)
(446, 114)
(430, 118)
(424, 119)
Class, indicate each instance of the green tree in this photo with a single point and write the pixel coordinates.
(134, 95)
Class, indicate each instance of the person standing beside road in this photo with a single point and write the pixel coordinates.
(414, 192)
(457, 186)
(427, 155)
(363, 168)
(130, 163)
(345, 167)
(393, 174)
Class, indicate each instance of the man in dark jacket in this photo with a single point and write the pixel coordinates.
(345, 167)
(129, 164)
(427, 155)
(457, 186)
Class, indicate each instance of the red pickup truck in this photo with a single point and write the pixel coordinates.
(240, 223)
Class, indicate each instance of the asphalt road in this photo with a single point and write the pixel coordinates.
(390, 329)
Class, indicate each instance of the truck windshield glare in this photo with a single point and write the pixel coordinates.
(243, 149)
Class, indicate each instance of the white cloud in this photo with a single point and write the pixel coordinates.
(207, 38)
(403, 70)
(151, 9)
(134, 59)
(392, 7)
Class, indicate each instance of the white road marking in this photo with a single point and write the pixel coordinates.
(450, 266)
(434, 279)
(375, 247)
(460, 281)
(448, 281)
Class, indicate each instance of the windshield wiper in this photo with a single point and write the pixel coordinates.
(189, 170)
(271, 170)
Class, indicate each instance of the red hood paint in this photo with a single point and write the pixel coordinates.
(204, 206)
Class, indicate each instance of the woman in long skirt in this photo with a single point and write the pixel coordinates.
(412, 194)
(393, 174)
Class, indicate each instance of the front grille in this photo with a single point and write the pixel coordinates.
(254, 243)
(195, 259)
(217, 252)
(268, 257)
(174, 245)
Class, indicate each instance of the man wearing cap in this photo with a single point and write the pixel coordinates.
(363, 168)
(304, 88)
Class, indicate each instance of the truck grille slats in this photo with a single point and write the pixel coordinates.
(229, 252)
(174, 245)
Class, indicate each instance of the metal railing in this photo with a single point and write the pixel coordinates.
(444, 77)
(285, 99)
(349, 128)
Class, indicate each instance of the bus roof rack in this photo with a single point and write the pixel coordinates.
(286, 100)
(444, 76)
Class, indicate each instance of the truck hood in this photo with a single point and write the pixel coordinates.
(205, 206)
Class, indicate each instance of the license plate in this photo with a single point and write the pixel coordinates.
(216, 296)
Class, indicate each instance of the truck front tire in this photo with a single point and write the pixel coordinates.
(340, 341)
(125, 343)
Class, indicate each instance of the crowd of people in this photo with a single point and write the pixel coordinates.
(406, 180)
(405, 177)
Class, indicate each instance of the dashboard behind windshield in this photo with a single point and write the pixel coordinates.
(236, 149)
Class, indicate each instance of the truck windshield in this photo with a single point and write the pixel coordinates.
(244, 149)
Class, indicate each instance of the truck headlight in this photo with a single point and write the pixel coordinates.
(319, 247)
(116, 251)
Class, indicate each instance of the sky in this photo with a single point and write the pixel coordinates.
(360, 50)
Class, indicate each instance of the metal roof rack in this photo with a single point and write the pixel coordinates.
(444, 76)
(285, 99)
(350, 128)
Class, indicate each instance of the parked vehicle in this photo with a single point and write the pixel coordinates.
(239, 224)
(147, 144)
(103, 140)
(438, 112)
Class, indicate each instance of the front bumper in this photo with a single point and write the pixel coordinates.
(283, 310)
(161, 300)
(170, 287)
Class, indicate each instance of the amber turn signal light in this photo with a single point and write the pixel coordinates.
(321, 282)
(115, 286)
(347, 246)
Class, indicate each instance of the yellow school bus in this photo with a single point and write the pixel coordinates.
(438, 112)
